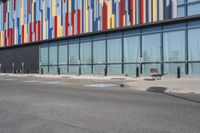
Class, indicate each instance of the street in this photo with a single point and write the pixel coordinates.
(31, 105)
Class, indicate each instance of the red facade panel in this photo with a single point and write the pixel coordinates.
(73, 14)
(30, 32)
(22, 34)
(122, 12)
(35, 26)
(39, 34)
(79, 22)
(142, 11)
(66, 24)
(104, 16)
(55, 26)
(14, 4)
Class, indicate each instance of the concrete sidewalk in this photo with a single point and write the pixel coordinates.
(167, 84)
(186, 84)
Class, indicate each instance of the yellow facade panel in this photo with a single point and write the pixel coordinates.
(155, 10)
(53, 5)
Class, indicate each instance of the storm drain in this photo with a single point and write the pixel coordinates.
(101, 85)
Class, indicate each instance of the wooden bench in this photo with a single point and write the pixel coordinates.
(155, 74)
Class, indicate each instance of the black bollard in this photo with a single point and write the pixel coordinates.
(4, 70)
(79, 71)
(105, 71)
(178, 72)
(41, 70)
(58, 70)
(137, 72)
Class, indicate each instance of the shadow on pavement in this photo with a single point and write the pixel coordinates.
(162, 90)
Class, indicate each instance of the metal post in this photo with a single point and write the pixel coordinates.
(0, 68)
(137, 72)
(41, 70)
(105, 71)
(178, 72)
(58, 70)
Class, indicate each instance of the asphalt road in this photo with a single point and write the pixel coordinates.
(67, 106)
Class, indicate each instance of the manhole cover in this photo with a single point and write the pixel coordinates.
(101, 85)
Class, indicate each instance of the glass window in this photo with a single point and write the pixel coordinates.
(131, 49)
(194, 44)
(151, 47)
(147, 67)
(45, 69)
(53, 55)
(86, 52)
(74, 69)
(174, 46)
(85, 69)
(63, 54)
(194, 68)
(74, 53)
(99, 51)
(99, 69)
(63, 69)
(114, 50)
(114, 69)
(181, 11)
(171, 68)
(53, 69)
(130, 69)
(181, 1)
(174, 26)
(194, 8)
(44, 55)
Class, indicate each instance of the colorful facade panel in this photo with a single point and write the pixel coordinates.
(27, 21)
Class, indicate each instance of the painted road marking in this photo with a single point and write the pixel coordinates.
(8, 79)
(101, 85)
(43, 82)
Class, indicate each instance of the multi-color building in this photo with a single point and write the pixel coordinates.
(91, 36)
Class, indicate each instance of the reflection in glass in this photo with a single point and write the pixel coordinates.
(194, 68)
(147, 67)
(151, 47)
(130, 69)
(44, 55)
(53, 69)
(114, 50)
(53, 55)
(99, 51)
(194, 44)
(174, 46)
(73, 53)
(131, 49)
(99, 69)
(85, 52)
(114, 69)
(63, 54)
(171, 68)
(63, 69)
(74, 69)
(85, 69)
